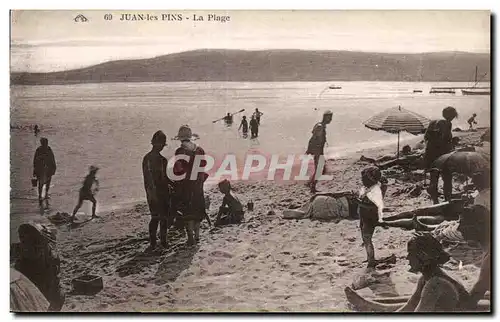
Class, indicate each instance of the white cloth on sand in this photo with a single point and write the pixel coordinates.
(374, 193)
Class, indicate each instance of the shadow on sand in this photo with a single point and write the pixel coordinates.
(174, 263)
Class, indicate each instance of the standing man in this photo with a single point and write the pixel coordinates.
(44, 167)
(244, 126)
(258, 114)
(190, 199)
(254, 127)
(438, 139)
(317, 144)
(158, 189)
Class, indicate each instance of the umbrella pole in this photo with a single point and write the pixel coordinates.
(398, 148)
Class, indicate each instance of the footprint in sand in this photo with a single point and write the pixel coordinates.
(220, 253)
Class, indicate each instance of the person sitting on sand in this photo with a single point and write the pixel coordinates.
(436, 291)
(316, 145)
(244, 126)
(88, 191)
(475, 226)
(231, 210)
(472, 121)
(44, 167)
(438, 139)
(327, 206)
(158, 189)
(39, 261)
(370, 206)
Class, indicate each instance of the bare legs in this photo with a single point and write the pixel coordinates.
(40, 188)
(367, 229)
(433, 185)
(153, 228)
(79, 205)
(313, 181)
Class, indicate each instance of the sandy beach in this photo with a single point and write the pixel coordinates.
(267, 263)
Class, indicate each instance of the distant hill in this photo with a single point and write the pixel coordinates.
(273, 65)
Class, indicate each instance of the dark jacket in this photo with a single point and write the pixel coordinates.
(44, 162)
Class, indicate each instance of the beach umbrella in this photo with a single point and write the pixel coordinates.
(464, 162)
(396, 120)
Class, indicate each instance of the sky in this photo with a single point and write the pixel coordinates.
(44, 41)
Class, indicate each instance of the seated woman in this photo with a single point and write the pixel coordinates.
(436, 291)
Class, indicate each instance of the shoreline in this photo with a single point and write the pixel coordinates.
(264, 264)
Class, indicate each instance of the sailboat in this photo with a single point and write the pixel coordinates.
(476, 90)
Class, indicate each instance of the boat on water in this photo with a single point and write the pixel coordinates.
(442, 91)
(474, 90)
(417, 91)
(334, 87)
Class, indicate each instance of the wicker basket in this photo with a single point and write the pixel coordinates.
(87, 284)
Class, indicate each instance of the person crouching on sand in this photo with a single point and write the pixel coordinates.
(88, 191)
(231, 210)
(370, 206)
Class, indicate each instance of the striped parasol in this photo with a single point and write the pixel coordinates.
(396, 120)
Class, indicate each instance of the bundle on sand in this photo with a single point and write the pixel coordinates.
(447, 231)
(24, 295)
(321, 208)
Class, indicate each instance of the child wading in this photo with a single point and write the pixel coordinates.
(231, 210)
(87, 193)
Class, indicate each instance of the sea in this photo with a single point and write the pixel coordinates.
(111, 124)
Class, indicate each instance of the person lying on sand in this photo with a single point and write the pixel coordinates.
(442, 218)
(436, 291)
(475, 226)
(231, 210)
(370, 206)
(420, 218)
(88, 191)
(406, 157)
